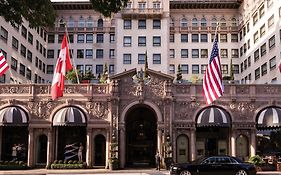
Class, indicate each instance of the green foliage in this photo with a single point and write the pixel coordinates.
(107, 7)
(256, 160)
(39, 13)
(71, 164)
(71, 75)
(104, 75)
(13, 165)
(179, 73)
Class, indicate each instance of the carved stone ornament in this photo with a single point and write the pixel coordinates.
(41, 109)
(97, 109)
(15, 90)
(156, 87)
(185, 110)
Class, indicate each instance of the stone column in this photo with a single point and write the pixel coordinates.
(253, 143)
(193, 144)
(50, 152)
(30, 153)
(233, 143)
(122, 146)
(159, 138)
(107, 148)
(89, 147)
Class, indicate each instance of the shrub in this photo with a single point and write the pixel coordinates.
(256, 160)
(70, 161)
(55, 162)
(60, 162)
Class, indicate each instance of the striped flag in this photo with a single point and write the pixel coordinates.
(3, 64)
(212, 82)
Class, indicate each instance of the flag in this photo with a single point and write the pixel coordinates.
(212, 82)
(3, 64)
(279, 65)
(62, 66)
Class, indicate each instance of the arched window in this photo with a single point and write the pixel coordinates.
(100, 23)
(183, 22)
(233, 22)
(214, 23)
(194, 22)
(61, 22)
(203, 22)
(172, 23)
(90, 22)
(81, 22)
(70, 22)
(223, 22)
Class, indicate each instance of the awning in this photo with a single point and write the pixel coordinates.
(213, 116)
(269, 118)
(13, 116)
(69, 116)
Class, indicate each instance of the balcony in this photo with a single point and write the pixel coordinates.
(142, 13)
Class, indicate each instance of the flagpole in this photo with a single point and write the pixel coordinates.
(71, 53)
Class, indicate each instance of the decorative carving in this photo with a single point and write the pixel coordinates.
(76, 89)
(15, 89)
(41, 109)
(182, 89)
(156, 87)
(97, 109)
(41, 90)
(242, 89)
(99, 89)
(184, 110)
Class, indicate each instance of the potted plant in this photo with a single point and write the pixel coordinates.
(257, 161)
(72, 75)
(87, 77)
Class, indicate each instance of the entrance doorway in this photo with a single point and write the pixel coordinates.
(141, 137)
(100, 151)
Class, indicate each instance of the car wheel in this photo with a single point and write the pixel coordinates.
(241, 172)
(185, 172)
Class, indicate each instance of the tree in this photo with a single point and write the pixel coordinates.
(107, 7)
(39, 13)
(179, 73)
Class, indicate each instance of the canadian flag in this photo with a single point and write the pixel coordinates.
(279, 65)
(63, 65)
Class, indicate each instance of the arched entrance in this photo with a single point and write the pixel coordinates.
(212, 132)
(42, 150)
(100, 152)
(141, 136)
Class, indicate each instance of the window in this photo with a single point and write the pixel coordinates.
(50, 69)
(195, 23)
(172, 53)
(127, 58)
(263, 49)
(236, 69)
(14, 64)
(195, 69)
(51, 38)
(60, 37)
(241, 51)
(28, 74)
(195, 53)
(248, 43)
(183, 22)
(203, 23)
(262, 30)
(270, 21)
(89, 38)
(156, 41)
(88, 68)
(15, 43)
(100, 24)
(249, 61)
(195, 38)
(223, 38)
(142, 5)
(255, 18)
(264, 69)
(30, 38)
(36, 61)
(22, 69)
(23, 32)
(89, 22)
(184, 53)
(111, 68)
(257, 73)
(142, 24)
(80, 53)
(242, 67)
(127, 41)
(142, 41)
(156, 24)
(256, 55)
(4, 34)
(271, 42)
(23, 50)
(204, 38)
(40, 65)
(81, 22)
(261, 11)
(127, 24)
(141, 58)
(112, 38)
(99, 53)
(203, 68)
(224, 69)
(99, 69)
(29, 56)
(234, 38)
(184, 38)
(99, 38)
(171, 68)
(272, 63)
(111, 53)
(172, 38)
(89, 53)
(256, 37)
(245, 47)
(234, 53)
(224, 53)
(245, 64)
(184, 68)
(156, 59)
(204, 53)
(80, 38)
(156, 5)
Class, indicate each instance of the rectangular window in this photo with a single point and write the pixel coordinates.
(28, 74)
(223, 38)
(80, 53)
(271, 42)
(234, 38)
(236, 69)
(50, 69)
(36, 61)
(71, 38)
(242, 67)
(99, 38)
(60, 37)
(255, 18)
(142, 24)
(184, 68)
(261, 11)
(256, 37)
(195, 38)
(141, 58)
(50, 53)
(224, 69)
(14, 64)
(29, 56)
(142, 41)
(51, 38)
(172, 69)
(156, 24)
(80, 38)
(22, 69)
(184, 38)
(203, 68)
(248, 43)
(89, 38)
(111, 53)
(172, 38)
(262, 30)
(23, 32)
(263, 49)
(172, 53)
(156, 41)
(127, 24)
(264, 69)
(224, 53)
(4, 34)
(99, 69)
(23, 50)
(270, 21)
(241, 51)
(256, 55)
(204, 53)
(99, 53)
(272, 63)
(112, 38)
(89, 53)
(234, 53)
(257, 73)
(30, 38)
(204, 38)
(80, 68)
(15, 43)
(127, 58)
(195, 69)
(184, 53)
(89, 68)
(249, 61)
(127, 41)
(156, 59)
(195, 53)
(111, 69)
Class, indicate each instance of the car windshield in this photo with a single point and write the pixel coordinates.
(198, 161)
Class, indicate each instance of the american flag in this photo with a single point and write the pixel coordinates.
(212, 82)
(3, 64)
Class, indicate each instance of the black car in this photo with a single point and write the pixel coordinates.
(214, 165)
